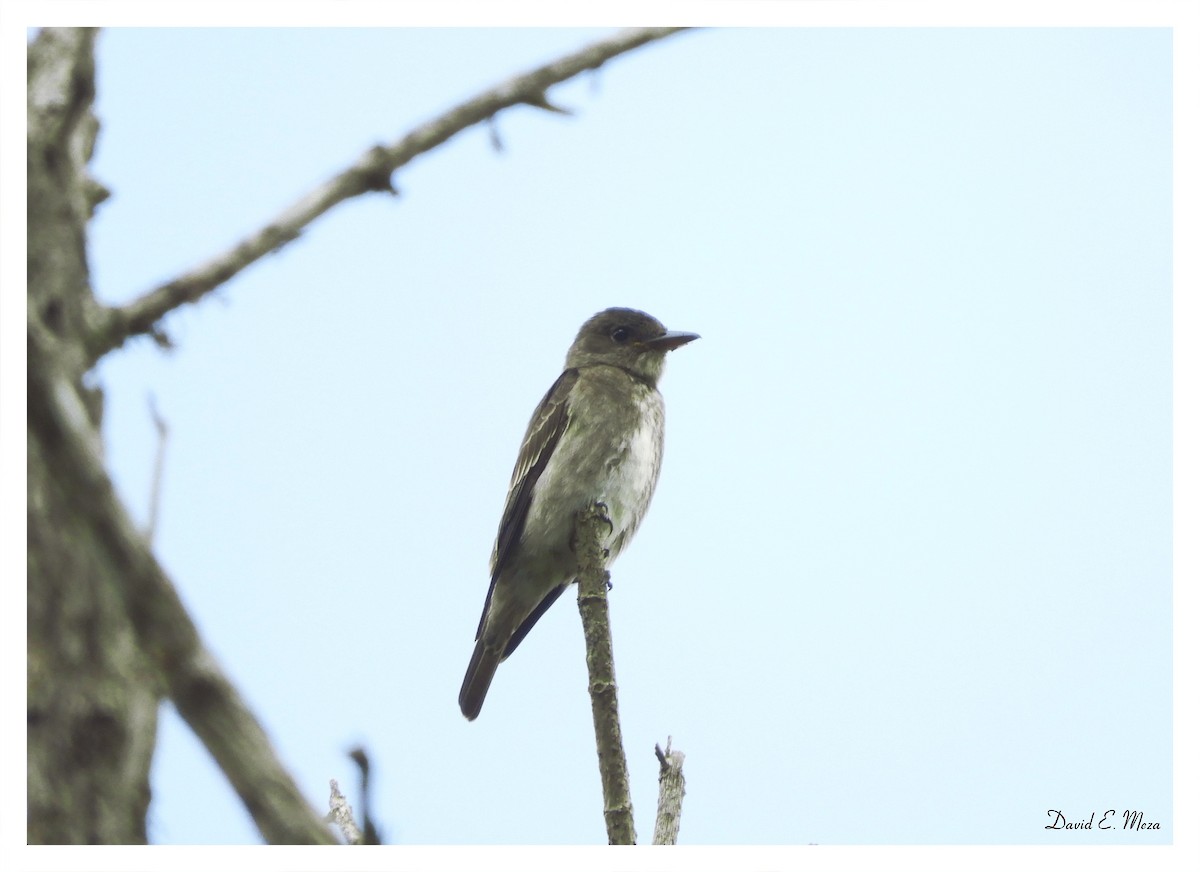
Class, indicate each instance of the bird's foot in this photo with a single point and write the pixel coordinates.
(597, 511)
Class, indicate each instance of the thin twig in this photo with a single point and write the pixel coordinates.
(370, 833)
(371, 172)
(202, 694)
(591, 527)
(670, 795)
(160, 453)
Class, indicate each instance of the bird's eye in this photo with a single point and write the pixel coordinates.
(621, 334)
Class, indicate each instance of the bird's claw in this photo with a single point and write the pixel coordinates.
(602, 508)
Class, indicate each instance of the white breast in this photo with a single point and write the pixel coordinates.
(584, 471)
(633, 472)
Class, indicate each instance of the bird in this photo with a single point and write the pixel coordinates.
(596, 437)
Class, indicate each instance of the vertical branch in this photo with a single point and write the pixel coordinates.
(670, 795)
(91, 697)
(591, 527)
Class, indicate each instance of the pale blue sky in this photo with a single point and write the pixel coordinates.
(907, 576)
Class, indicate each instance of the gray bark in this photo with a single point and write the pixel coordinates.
(92, 698)
(590, 529)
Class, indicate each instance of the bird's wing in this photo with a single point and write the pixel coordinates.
(545, 428)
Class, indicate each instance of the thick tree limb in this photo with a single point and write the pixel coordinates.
(670, 795)
(591, 527)
(371, 172)
(204, 697)
(92, 699)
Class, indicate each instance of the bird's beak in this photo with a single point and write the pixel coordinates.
(671, 340)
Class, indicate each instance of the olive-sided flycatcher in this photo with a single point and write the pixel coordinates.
(597, 436)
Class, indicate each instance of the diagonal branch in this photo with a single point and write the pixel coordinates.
(371, 172)
(201, 692)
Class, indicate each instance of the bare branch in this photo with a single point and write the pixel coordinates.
(591, 527)
(670, 795)
(371, 172)
(202, 694)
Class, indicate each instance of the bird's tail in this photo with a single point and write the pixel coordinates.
(480, 672)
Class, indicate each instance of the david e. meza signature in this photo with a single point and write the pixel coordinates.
(1129, 820)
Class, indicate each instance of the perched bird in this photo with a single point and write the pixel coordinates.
(597, 436)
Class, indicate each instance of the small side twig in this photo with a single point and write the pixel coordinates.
(342, 814)
(370, 833)
(541, 101)
(160, 453)
(494, 135)
(670, 795)
(591, 527)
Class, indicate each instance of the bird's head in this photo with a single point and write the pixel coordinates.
(626, 338)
